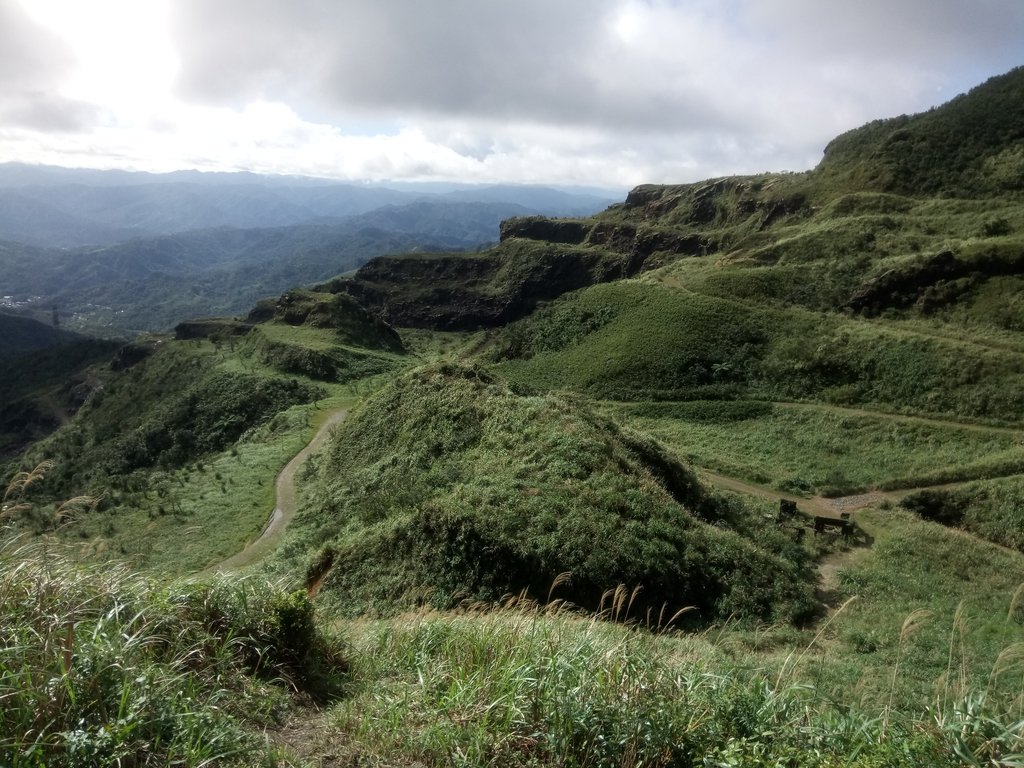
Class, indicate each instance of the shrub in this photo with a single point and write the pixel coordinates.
(103, 667)
(939, 506)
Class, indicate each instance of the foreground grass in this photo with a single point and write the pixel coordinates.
(99, 666)
(526, 688)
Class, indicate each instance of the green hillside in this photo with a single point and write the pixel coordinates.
(974, 145)
(20, 334)
(446, 485)
(43, 381)
(728, 474)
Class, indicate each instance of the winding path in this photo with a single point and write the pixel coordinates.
(828, 506)
(286, 504)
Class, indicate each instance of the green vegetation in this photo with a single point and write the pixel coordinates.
(526, 688)
(104, 667)
(507, 527)
(633, 340)
(825, 449)
(171, 408)
(351, 323)
(991, 510)
(316, 353)
(446, 486)
(461, 292)
(19, 334)
(181, 446)
(187, 519)
(42, 388)
(964, 595)
(972, 145)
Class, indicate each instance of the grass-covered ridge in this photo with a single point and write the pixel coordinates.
(448, 485)
(640, 339)
(178, 404)
(973, 144)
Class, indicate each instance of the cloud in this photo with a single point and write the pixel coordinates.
(735, 83)
(33, 64)
(586, 91)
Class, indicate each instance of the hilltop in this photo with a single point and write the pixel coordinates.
(446, 485)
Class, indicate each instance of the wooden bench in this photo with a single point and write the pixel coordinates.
(843, 523)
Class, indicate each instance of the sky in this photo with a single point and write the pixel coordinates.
(600, 93)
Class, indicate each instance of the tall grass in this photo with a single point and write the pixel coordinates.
(536, 687)
(98, 666)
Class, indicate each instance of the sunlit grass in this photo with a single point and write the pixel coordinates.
(814, 447)
(101, 666)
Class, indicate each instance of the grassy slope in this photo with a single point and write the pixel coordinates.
(157, 674)
(641, 340)
(448, 485)
(967, 639)
(816, 288)
(827, 449)
(40, 389)
(185, 446)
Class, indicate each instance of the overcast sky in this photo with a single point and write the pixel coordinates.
(607, 93)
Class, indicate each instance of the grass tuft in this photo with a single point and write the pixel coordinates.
(102, 667)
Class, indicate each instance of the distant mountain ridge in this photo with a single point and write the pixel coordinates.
(67, 208)
(154, 282)
(138, 251)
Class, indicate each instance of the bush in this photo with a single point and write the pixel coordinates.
(939, 506)
(102, 667)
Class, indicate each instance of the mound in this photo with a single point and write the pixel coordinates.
(350, 321)
(448, 485)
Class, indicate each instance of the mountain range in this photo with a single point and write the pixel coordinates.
(123, 252)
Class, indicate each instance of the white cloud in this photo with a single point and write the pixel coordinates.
(600, 92)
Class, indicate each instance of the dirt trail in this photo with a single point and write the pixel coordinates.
(819, 505)
(828, 589)
(286, 504)
(815, 505)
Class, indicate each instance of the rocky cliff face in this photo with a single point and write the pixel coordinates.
(539, 259)
(467, 292)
